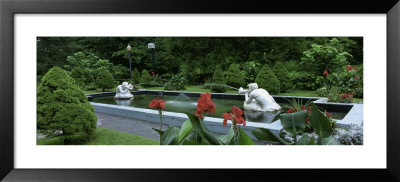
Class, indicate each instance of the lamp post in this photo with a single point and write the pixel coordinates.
(152, 46)
(130, 64)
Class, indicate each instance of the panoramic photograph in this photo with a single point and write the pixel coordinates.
(199, 91)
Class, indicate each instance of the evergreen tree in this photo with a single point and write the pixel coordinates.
(283, 76)
(146, 78)
(104, 79)
(62, 107)
(234, 77)
(218, 81)
(267, 80)
(135, 76)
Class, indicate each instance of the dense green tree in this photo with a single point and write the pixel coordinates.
(234, 77)
(62, 108)
(267, 80)
(329, 56)
(135, 76)
(283, 76)
(104, 79)
(146, 79)
(218, 80)
(197, 55)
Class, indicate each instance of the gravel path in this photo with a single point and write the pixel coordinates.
(128, 125)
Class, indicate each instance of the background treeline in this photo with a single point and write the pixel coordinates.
(196, 58)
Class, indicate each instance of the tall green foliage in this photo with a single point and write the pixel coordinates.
(104, 79)
(135, 76)
(283, 76)
(62, 108)
(267, 80)
(218, 80)
(234, 77)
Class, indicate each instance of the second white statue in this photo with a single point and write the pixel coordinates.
(258, 99)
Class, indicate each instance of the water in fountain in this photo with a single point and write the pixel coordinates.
(218, 84)
(182, 100)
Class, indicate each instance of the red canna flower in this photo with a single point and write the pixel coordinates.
(328, 114)
(235, 116)
(325, 73)
(157, 104)
(289, 110)
(349, 67)
(309, 110)
(199, 114)
(355, 68)
(204, 104)
(344, 96)
(357, 77)
(303, 108)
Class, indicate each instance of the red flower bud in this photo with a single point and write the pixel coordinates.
(349, 67)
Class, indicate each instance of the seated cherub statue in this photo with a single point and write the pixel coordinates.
(122, 91)
(258, 99)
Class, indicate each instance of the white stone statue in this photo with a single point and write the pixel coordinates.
(258, 99)
(123, 92)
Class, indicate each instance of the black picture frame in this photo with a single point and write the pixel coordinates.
(8, 8)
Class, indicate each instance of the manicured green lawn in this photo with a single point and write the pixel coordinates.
(102, 136)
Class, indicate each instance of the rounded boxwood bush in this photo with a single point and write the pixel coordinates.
(105, 79)
(218, 81)
(234, 77)
(135, 76)
(283, 76)
(267, 80)
(146, 79)
(62, 107)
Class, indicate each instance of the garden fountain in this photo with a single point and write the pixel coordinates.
(122, 91)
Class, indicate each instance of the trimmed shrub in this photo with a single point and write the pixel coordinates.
(175, 83)
(218, 81)
(62, 107)
(146, 79)
(283, 76)
(267, 80)
(78, 74)
(104, 79)
(234, 77)
(135, 76)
